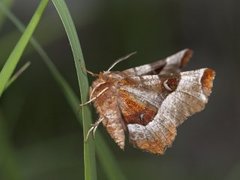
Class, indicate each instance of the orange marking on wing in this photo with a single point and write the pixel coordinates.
(134, 111)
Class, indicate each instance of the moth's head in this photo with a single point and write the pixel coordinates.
(111, 76)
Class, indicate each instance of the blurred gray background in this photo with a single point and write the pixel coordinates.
(43, 131)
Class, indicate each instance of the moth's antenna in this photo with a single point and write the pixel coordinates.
(121, 59)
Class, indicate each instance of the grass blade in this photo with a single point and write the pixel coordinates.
(89, 149)
(17, 74)
(17, 52)
(105, 155)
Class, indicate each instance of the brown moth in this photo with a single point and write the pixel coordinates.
(149, 102)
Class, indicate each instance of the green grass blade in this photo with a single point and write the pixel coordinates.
(106, 158)
(17, 74)
(89, 149)
(17, 52)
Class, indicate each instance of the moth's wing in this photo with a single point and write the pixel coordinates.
(189, 97)
(139, 97)
(171, 64)
(139, 100)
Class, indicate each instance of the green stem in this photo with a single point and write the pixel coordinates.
(89, 149)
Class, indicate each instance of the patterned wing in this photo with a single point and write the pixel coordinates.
(139, 100)
(165, 110)
(171, 64)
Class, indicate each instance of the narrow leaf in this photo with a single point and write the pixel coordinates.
(17, 74)
(17, 52)
(89, 150)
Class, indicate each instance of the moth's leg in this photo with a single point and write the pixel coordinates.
(94, 98)
(89, 72)
(93, 90)
(94, 128)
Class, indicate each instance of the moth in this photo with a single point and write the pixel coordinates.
(149, 102)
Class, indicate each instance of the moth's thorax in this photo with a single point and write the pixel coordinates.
(104, 89)
(108, 80)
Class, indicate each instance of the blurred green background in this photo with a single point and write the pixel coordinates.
(44, 137)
